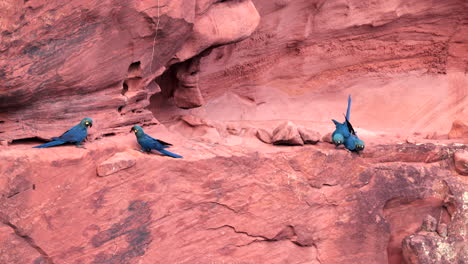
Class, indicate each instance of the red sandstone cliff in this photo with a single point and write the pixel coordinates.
(221, 77)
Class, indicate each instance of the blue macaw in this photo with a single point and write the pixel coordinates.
(148, 143)
(353, 142)
(342, 131)
(74, 135)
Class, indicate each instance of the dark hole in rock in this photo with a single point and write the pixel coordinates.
(108, 134)
(124, 88)
(31, 140)
(120, 108)
(161, 103)
(134, 69)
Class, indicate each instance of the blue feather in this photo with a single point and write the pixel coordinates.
(170, 154)
(348, 110)
(51, 144)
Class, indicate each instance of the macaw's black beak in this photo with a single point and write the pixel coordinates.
(131, 130)
(90, 124)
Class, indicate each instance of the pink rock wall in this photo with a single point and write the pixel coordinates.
(234, 199)
(404, 62)
(61, 62)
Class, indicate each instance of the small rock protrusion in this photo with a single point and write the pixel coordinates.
(309, 136)
(411, 140)
(287, 133)
(263, 135)
(429, 224)
(442, 230)
(327, 138)
(116, 163)
(459, 130)
(461, 162)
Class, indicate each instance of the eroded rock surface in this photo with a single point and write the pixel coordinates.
(404, 63)
(313, 204)
(60, 63)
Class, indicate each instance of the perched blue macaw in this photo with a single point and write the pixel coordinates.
(353, 142)
(148, 143)
(342, 131)
(74, 135)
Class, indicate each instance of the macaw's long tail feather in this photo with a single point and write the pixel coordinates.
(170, 154)
(50, 144)
(348, 111)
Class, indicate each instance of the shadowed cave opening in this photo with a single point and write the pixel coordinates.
(405, 216)
(134, 69)
(162, 102)
(124, 88)
(28, 141)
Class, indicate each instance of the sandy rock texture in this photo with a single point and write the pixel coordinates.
(238, 204)
(404, 62)
(244, 90)
(60, 62)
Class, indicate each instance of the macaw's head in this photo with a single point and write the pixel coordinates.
(359, 145)
(137, 130)
(338, 139)
(86, 122)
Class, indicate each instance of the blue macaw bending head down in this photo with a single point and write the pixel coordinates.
(148, 143)
(342, 129)
(345, 134)
(337, 138)
(353, 143)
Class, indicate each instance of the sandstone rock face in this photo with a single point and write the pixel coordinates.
(60, 63)
(309, 136)
(459, 130)
(264, 136)
(233, 198)
(292, 203)
(116, 163)
(404, 62)
(287, 133)
(461, 162)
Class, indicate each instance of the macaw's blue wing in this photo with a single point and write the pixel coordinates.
(350, 127)
(153, 143)
(75, 134)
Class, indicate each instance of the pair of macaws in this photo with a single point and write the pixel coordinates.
(79, 132)
(345, 134)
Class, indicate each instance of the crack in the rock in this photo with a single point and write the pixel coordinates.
(220, 204)
(317, 256)
(29, 240)
(17, 192)
(240, 232)
(260, 238)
